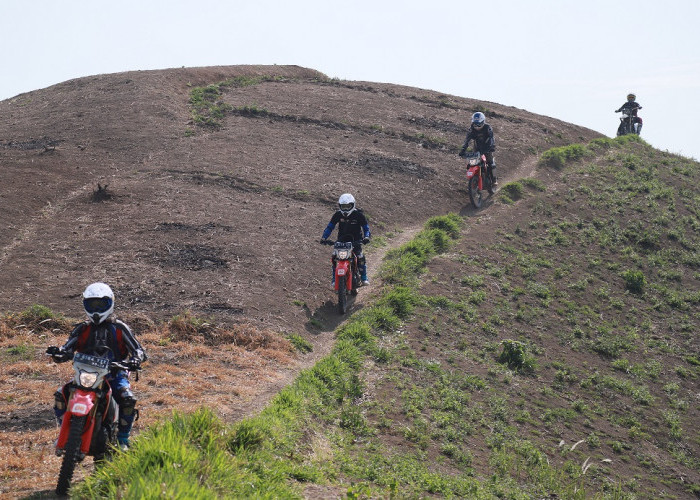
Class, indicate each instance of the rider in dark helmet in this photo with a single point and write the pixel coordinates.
(482, 134)
(352, 226)
(104, 336)
(633, 107)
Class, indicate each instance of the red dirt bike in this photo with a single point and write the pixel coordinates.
(347, 274)
(90, 423)
(478, 177)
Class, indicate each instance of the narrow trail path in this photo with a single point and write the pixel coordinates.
(325, 339)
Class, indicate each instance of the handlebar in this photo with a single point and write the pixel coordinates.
(132, 366)
(354, 243)
(60, 356)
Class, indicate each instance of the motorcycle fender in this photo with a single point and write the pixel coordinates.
(342, 268)
(80, 404)
(472, 171)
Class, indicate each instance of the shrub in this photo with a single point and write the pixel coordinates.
(514, 190)
(634, 280)
(449, 223)
(516, 357)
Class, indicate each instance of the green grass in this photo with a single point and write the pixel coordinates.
(300, 343)
(208, 108)
(403, 265)
(577, 326)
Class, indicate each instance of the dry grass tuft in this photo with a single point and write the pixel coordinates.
(188, 328)
(33, 321)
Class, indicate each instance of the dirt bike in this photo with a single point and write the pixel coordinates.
(347, 274)
(626, 123)
(89, 424)
(478, 176)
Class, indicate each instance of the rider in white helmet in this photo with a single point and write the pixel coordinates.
(104, 336)
(482, 134)
(353, 227)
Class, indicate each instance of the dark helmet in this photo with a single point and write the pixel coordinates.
(631, 97)
(478, 119)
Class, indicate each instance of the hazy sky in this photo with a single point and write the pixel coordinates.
(570, 59)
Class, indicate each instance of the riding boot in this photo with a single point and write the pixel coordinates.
(639, 128)
(363, 274)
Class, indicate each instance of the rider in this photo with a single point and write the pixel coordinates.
(104, 336)
(633, 107)
(352, 226)
(482, 134)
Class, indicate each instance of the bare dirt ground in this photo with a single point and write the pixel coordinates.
(219, 222)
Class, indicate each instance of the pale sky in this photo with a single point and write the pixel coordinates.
(570, 59)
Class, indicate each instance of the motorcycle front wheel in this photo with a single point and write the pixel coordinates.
(70, 456)
(474, 192)
(342, 295)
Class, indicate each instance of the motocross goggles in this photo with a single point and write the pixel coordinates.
(345, 207)
(97, 304)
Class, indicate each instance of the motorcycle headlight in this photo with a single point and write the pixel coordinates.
(343, 254)
(87, 379)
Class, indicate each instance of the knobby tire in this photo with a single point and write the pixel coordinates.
(70, 456)
(474, 193)
(342, 295)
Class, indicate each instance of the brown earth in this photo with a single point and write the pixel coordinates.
(219, 222)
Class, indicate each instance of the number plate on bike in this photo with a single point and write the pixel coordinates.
(91, 360)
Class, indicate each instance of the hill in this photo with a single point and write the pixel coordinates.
(219, 182)
(221, 219)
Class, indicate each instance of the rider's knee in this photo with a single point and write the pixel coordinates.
(59, 400)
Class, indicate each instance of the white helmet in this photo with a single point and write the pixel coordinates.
(346, 204)
(98, 301)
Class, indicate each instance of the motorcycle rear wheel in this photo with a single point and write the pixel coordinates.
(474, 192)
(342, 295)
(70, 456)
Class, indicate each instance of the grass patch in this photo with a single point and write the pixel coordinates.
(558, 157)
(402, 265)
(300, 343)
(513, 190)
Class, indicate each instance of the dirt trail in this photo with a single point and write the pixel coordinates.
(325, 339)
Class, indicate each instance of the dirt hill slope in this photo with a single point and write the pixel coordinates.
(223, 220)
